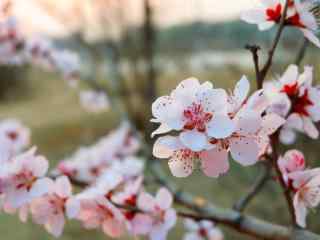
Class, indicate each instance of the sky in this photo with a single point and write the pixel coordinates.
(60, 17)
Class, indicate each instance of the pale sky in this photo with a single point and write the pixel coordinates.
(60, 17)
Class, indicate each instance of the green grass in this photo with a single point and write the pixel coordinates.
(59, 126)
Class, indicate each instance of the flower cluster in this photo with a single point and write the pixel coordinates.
(294, 98)
(114, 198)
(117, 148)
(302, 15)
(305, 183)
(211, 123)
(15, 48)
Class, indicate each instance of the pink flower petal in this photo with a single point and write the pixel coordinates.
(164, 198)
(55, 225)
(112, 228)
(62, 187)
(141, 224)
(72, 208)
(146, 202)
(215, 162)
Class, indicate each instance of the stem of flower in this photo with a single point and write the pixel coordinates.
(286, 190)
(264, 71)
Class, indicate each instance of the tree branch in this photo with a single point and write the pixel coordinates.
(255, 189)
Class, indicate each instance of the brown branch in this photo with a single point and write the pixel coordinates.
(254, 49)
(255, 189)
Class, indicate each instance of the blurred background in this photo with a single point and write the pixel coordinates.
(138, 40)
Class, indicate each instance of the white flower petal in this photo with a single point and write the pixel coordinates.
(287, 136)
(254, 16)
(72, 208)
(181, 166)
(310, 129)
(291, 75)
(258, 102)
(165, 146)
(311, 36)
(300, 211)
(271, 122)
(220, 126)
(241, 89)
(213, 100)
(244, 150)
(266, 25)
(168, 111)
(41, 187)
(163, 128)
(194, 140)
(249, 122)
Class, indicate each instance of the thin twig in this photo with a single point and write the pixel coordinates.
(255, 189)
(254, 49)
(264, 71)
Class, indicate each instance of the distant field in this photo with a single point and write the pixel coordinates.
(59, 125)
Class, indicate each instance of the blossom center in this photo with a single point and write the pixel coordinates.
(12, 135)
(295, 20)
(25, 180)
(107, 213)
(203, 232)
(131, 201)
(58, 204)
(196, 117)
(300, 103)
(185, 154)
